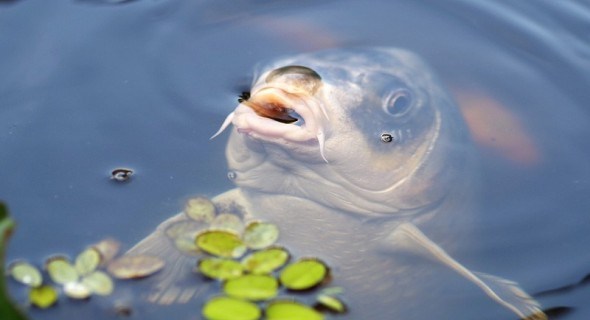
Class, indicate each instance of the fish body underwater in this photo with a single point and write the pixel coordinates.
(362, 159)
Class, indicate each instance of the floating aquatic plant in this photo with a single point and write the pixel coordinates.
(200, 209)
(291, 310)
(252, 287)
(219, 268)
(221, 243)
(226, 308)
(330, 303)
(266, 261)
(256, 277)
(259, 235)
(82, 278)
(133, 267)
(25, 273)
(304, 274)
(43, 296)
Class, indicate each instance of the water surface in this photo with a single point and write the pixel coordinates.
(88, 86)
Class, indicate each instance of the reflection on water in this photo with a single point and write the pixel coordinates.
(85, 89)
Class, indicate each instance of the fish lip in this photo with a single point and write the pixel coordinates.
(248, 121)
(315, 119)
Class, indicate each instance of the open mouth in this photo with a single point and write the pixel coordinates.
(278, 106)
(275, 114)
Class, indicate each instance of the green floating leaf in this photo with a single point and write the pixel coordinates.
(60, 270)
(43, 297)
(303, 274)
(25, 273)
(259, 235)
(99, 283)
(77, 290)
(229, 222)
(266, 261)
(200, 209)
(132, 267)
(225, 308)
(252, 287)
(330, 303)
(221, 243)
(87, 261)
(291, 310)
(221, 269)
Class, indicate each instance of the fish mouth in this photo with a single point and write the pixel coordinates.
(275, 113)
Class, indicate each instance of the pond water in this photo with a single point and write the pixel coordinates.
(90, 86)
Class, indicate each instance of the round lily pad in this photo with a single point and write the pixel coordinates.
(77, 290)
(26, 273)
(330, 303)
(43, 297)
(87, 261)
(99, 283)
(229, 222)
(221, 243)
(303, 274)
(266, 261)
(132, 267)
(252, 287)
(259, 235)
(200, 209)
(221, 269)
(226, 308)
(60, 270)
(291, 310)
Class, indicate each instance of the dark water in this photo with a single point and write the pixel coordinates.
(88, 86)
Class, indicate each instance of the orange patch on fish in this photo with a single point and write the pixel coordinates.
(494, 127)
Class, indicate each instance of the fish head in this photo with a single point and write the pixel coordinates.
(366, 131)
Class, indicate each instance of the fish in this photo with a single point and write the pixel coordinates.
(361, 158)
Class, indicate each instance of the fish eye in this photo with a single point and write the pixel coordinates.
(398, 103)
(298, 76)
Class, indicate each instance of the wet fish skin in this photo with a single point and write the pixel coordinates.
(337, 191)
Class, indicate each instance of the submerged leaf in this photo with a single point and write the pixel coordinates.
(25, 273)
(99, 283)
(252, 287)
(87, 261)
(183, 228)
(225, 308)
(266, 261)
(304, 274)
(43, 297)
(291, 310)
(259, 235)
(131, 267)
(229, 222)
(200, 209)
(221, 269)
(183, 234)
(221, 243)
(60, 270)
